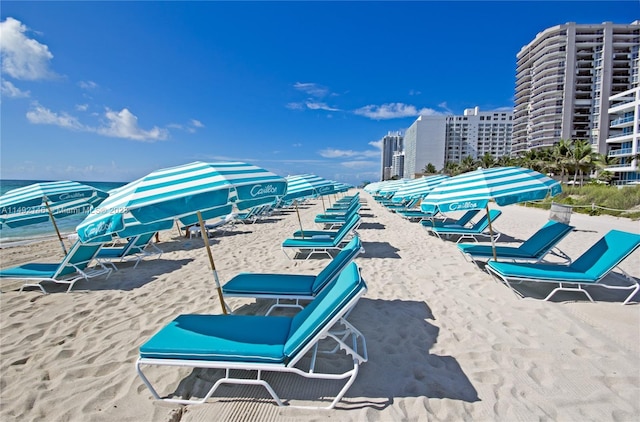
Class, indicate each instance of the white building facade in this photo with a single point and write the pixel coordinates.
(564, 79)
(439, 139)
(424, 143)
(624, 133)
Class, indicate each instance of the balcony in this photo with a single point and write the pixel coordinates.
(621, 121)
(622, 152)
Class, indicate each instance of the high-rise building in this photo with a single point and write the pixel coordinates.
(440, 139)
(478, 133)
(392, 143)
(624, 136)
(564, 79)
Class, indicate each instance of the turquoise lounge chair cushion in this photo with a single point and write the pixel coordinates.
(33, 270)
(535, 247)
(238, 338)
(293, 284)
(308, 322)
(285, 284)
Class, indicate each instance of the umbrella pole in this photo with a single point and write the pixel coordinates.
(55, 226)
(299, 221)
(213, 265)
(493, 242)
(324, 210)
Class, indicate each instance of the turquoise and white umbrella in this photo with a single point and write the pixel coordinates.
(417, 188)
(190, 192)
(39, 202)
(307, 186)
(389, 187)
(503, 185)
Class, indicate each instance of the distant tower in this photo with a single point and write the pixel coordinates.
(392, 143)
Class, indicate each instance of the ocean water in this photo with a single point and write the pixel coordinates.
(65, 225)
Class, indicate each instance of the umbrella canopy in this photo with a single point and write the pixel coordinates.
(180, 192)
(417, 188)
(39, 202)
(307, 185)
(188, 192)
(474, 190)
(389, 187)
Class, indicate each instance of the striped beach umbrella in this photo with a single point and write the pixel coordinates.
(307, 186)
(40, 202)
(418, 188)
(389, 187)
(503, 185)
(190, 192)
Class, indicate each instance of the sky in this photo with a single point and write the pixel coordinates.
(110, 91)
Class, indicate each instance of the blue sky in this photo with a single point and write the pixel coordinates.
(109, 91)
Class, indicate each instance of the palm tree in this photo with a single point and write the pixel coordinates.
(451, 168)
(429, 169)
(487, 161)
(468, 164)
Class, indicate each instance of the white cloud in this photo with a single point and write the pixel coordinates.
(40, 115)
(22, 57)
(196, 123)
(376, 144)
(341, 153)
(124, 124)
(82, 107)
(312, 89)
(393, 111)
(414, 92)
(295, 106)
(360, 164)
(9, 90)
(315, 105)
(443, 105)
(120, 124)
(88, 85)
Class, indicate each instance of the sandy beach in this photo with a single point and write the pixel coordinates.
(446, 341)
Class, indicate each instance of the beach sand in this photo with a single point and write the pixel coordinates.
(446, 341)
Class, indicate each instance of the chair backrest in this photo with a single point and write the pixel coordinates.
(143, 240)
(467, 217)
(606, 253)
(78, 257)
(483, 223)
(331, 302)
(546, 238)
(337, 264)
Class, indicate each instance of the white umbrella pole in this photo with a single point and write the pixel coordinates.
(55, 226)
(299, 220)
(213, 265)
(493, 242)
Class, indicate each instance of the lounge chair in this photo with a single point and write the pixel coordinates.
(463, 221)
(109, 254)
(74, 267)
(590, 269)
(332, 221)
(534, 249)
(291, 287)
(317, 244)
(246, 346)
(479, 229)
(350, 226)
